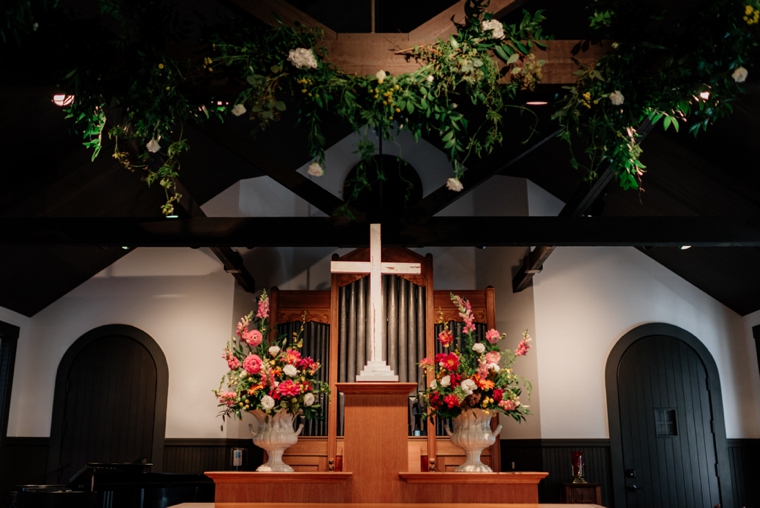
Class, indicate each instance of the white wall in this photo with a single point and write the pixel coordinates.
(586, 299)
(180, 297)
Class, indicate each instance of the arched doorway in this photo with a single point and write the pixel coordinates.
(110, 401)
(667, 433)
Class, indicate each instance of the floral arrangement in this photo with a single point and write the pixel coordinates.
(480, 376)
(268, 374)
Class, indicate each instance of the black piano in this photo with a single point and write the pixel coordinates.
(127, 485)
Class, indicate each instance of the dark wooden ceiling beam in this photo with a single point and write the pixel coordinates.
(580, 202)
(290, 179)
(230, 259)
(338, 232)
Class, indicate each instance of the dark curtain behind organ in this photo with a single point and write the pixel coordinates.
(403, 335)
(316, 344)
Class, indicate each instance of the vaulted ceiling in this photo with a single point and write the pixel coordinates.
(705, 191)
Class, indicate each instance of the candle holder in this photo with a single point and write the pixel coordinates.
(578, 467)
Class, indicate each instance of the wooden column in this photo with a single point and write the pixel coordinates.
(375, 439)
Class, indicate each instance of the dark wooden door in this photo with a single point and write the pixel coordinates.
(110, 405)
(666, 426)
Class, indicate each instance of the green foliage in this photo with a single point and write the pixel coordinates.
(670, 66)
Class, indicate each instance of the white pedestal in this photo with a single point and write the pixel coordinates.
(376, 371)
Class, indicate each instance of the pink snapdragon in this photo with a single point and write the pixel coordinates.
(263, 310)
(508, 404)
(523, 346)
(242, 326)
(227, 398)
(493, 336)
(253, 338)
(252, 364)
(232, 362)
(465, 312)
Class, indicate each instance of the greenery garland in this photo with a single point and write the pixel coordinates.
(674, 67)
(678, 67)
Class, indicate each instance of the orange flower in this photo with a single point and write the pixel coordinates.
(255, 388)
(485, 384)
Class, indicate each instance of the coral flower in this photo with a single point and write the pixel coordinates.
(252, 364)
(446, 338)
(252, 338)
(450, 362)
(289, 388)
(493, 357)
(292, 356)
(493, 336)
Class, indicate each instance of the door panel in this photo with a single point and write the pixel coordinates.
(110, 405)
(665, 416)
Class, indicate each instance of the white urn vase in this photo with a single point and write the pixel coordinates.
(274, 434)
(473, 434)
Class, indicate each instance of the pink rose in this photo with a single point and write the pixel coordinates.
(492, 336)
(253, 337)
(493, 357)
(252, 364)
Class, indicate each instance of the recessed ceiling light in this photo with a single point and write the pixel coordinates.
(536, 103)
(685, 247)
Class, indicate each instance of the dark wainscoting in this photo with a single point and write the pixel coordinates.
(195, 456)
(744, 455)
(23, 462)
(553, 456)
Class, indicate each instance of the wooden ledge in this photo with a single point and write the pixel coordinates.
(266, 477)
(377, 388)
(474, 478)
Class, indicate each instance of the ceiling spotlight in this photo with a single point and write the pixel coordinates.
(172, 216)
(62, 99)
(536, 103)
(125, 247)
(685, 247)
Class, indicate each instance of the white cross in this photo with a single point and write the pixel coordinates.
(376, 368)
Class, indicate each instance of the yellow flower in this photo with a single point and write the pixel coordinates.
(160, 66)
(748, 9)
(168, 88)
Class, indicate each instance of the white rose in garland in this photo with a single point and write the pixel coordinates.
(740, 75)
(479, 348)
(302, 58)
(617, 98)
(153, 146)
(290, 370)
(308, 399)
(468, 386)
(315, 169)
(453, 184)
(274, 350)
(446, 381)
(496, 28)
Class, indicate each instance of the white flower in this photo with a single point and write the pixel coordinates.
(274, 350)
(380, 75)
(238, 110)
(315, 169)
(308, 399)
(740, 74)
(617, 98)
(244, 374)
(431, 78)
(302, 57)
(445, 381)
(267, 402)
(468, 386)
(497, 29)
(494, 367)
(453, 184)
(35, 26)
(153, 146)
(290, 370)
(433, 385)
(479, 348)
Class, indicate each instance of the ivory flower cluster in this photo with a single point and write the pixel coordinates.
(267, 373)
(479, 375)
(302, 58)
(495, 26)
